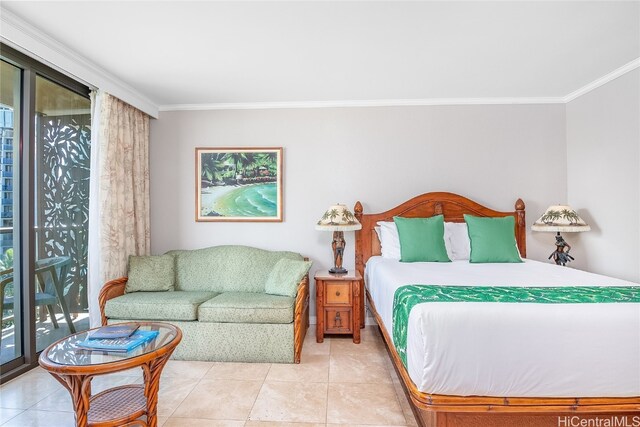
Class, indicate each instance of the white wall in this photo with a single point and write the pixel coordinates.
(380, 156)
(603, 145)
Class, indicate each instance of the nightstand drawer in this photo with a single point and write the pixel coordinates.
(337, 293)
(338, 320)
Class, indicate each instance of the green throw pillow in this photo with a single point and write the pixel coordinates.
(422, 239)
(492, 239)
(150, 274)
(285, 277)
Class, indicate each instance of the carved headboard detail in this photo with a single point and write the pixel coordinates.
(452, 206)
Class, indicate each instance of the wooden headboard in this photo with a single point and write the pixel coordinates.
(452, 206)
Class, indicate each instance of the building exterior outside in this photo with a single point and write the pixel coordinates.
(6, 179)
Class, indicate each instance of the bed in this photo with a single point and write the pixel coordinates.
(546, 389)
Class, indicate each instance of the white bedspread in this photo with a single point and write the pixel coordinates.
(512, 349)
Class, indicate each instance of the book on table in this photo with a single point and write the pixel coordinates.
(122, 345)
(114, 331)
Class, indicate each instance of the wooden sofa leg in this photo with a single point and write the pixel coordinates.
(301, 318)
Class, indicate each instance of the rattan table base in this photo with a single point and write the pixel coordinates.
(126, 405)
(118, 404)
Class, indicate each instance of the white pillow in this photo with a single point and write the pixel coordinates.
(447, 243)
(456, 235)
(389, 239)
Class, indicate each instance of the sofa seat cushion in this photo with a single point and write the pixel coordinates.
(247, 307)
(177, 305)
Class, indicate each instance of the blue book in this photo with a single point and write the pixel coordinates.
(123, 330)
(119, 344)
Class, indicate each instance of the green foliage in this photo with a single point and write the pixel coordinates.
(348, 217)
(222, 167)
(570, 216)
(6, 262)
(213, 165)
(240, 160)
(551, 216)
(330, 215)
(268, 160)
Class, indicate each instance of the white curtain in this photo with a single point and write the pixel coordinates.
(119, 192)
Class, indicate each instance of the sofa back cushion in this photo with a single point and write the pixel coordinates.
(150, 274)
(226, 268)
(285, 277)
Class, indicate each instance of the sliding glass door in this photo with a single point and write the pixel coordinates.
(10, 89)
(44, 172)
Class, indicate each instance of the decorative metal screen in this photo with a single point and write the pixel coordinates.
(62, 197)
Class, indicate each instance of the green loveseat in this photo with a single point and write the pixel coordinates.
(221, 306)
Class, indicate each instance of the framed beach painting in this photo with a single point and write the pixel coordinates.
(239, 184)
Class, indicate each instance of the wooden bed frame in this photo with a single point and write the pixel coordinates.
(433, 410)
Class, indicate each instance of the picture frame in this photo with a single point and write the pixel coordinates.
(236, 184)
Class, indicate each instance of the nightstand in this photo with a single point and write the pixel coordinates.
(338, 304)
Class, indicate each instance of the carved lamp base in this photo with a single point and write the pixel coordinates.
(338, 245)
(561, 254)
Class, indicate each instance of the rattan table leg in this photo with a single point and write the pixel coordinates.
(79, 387)
(152, 371)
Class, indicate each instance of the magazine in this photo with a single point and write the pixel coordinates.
(119, 344)
(114, 331)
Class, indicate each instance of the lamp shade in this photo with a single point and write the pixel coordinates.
(560, 218)
(338, 218)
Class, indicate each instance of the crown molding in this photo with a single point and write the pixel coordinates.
(603, 80)
(28, 39)
(360, 103)
(408, 102)
(24, 37)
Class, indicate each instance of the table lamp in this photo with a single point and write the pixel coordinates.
(560, 218)
(338, 218)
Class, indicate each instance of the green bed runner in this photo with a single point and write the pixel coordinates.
(407, 297)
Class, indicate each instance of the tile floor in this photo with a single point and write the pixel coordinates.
(338, 383)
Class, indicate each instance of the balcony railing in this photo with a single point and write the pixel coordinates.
(6, 174)
(75, 288)
(6, 160)
(7, 147)
(7, 201)
(7, 187)
(6, 214)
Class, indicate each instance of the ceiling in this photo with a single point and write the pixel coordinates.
(246, 52)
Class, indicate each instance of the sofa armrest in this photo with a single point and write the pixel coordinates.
(301, 317)
(110, 290)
